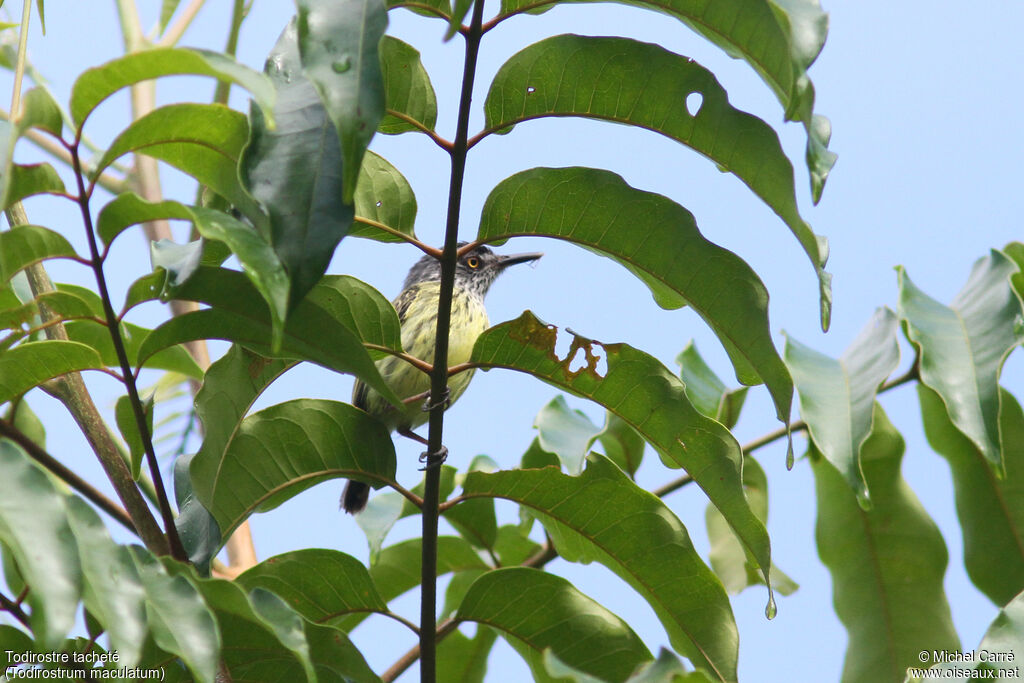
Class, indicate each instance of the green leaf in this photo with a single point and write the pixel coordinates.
(622, 444)
(39, 110)
(321, 585)
(962, 347)
(649, 549)
(34, 527)
(97, 336)
(113, 592)
(196, 527)
(23, 245)
(565, 432)
(338, 43)
(295, 172)
(730, 562)
(167, 9)
(99, 83)
(29, 365)
(1004, 640)
(990, 509)
(125, 417)
(32, 179)
(329, 327)
(460, 8)
(407, 89)
(336, 658)
(887, 564)
(464, 660)
(202, 140)
(285, 449)
(383, 195)
(178, 619)
(707, 392)
(837, 397)
(658, 241)
(475, 520)
(641, 391)
(581, 632)
(640, 84)
(513, 546)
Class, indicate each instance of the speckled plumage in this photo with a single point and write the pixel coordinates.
(475, 272)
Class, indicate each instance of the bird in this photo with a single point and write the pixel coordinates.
(475, 272)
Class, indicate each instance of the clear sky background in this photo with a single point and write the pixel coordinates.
(924, 100)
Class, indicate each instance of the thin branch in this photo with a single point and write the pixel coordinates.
(8, 605)
(410, 657)
(174, 32)
(402, 620)
(19, 66)
(418, 125)
(176, 548)
(66, 475)
(425, 248)
(421, 365)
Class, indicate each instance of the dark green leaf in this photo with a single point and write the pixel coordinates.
(202, 140)
(460, 8)
(329, 327)
(728, 558)
(658, 241)
(338, 42)
(622, 444)
(34, 527)
(475, 520)
(97, 336)
(99, 83)
(336, 658)
(581, 632)
(513, 546)
(196, 526)
(30, 364)
(384, 196)
(407, 89)
(285, 449)
(24, 245)
(32, 179)
(649, 548)
(990, 509)
(294, 170)
(962, 347)
(641, 391)
(707, 392)
(464, 660)
(837, 397)
(321, 585)
(887, 564)
(626, 81)
(126, 424)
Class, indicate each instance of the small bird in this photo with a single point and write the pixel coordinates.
(475, 272)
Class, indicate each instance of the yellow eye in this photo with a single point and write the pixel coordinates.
(473, 262)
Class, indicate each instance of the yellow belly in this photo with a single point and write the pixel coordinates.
(419, 329)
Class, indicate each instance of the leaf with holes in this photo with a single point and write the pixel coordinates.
(640, 84)
(837, 397)
(580, 631)
(963, 346)
(649, 549)
(990, 508)
(658, 241)
(641, 391)
(887, 563)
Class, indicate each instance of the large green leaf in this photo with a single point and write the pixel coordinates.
(578, 630)
(407, 88)
(730, 562)
(887, 563)
(962, 346)
(329, 327)
(385, 196)
(29, 365)
(34, 527)
(321, 585)
(285, 449)
(641, 391)
(658, 241)
(98, 83)
(990, 509)
(23, 245)
(97, 336)
(649, 548)
(338, 43)
(837, 397)
(640, 84)
(294, 170)
(202, 140)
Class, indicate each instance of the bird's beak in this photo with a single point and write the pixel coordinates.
(504, 261)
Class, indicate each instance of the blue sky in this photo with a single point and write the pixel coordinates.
(924, 100)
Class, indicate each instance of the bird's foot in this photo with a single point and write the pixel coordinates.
(433, 459)
(445, 402)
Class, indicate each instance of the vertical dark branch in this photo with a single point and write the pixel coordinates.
(177, 550)
(439, 376)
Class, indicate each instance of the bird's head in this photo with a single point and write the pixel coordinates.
(475, 271)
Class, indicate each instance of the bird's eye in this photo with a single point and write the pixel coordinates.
(473, 262)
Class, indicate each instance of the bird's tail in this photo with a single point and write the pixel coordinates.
(354, 497)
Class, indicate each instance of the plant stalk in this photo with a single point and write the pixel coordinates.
(439, 374)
